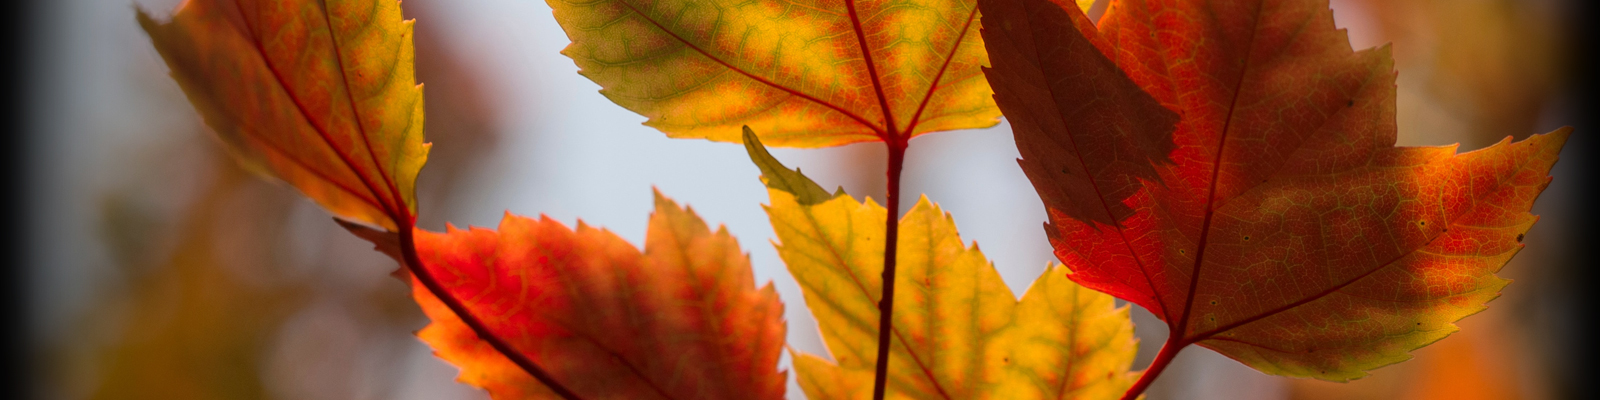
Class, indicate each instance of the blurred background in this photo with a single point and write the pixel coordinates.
(149, 266)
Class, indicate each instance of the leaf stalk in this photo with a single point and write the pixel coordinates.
(897, 156)
(1169, 351)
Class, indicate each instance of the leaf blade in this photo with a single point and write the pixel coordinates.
(1069, 342)
(957, 326)
(797, 72)
(1088, 159)
(320, 95)
(1283, 229)
(603, 318)
(1448, 276)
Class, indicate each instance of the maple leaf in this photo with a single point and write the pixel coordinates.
(317, 93)
(1067, 342)
(958, 332)
(682, 320)
(1270, 217)
(805, 73)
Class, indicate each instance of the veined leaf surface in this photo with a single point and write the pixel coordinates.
(807, 73)
(959, 333)
(1067, 342)
(1265, 213)
(318, 93)
(682, 320)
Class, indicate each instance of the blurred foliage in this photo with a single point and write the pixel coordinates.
(244, 298)
(188, 334)
(1489, 65)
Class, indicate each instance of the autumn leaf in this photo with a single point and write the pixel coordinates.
(959, 333)
(1068, 342)
(317, 93)
(1263, 211)
(804, 73)
(954, 303)
(682, 320)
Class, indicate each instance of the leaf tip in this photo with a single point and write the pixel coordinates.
(779, 177)
(659, 198)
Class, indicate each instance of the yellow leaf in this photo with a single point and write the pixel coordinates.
(953, 302)
(805, 73)
(822, 380)
(959, 333)
(1060, 324)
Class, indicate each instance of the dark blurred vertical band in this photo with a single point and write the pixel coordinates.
(1578, 367)
(17, 32)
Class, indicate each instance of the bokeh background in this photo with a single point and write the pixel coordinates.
(149, 266)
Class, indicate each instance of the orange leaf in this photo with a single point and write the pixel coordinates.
(317, 93)
(1274, 221)
(805, 73)
(683, 320)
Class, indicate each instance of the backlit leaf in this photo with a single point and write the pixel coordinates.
(804, 73)
(317, 93)
(682, 320)
(954, 301)
(1068, 342)
(823, 380)
(1274, 222)
(959, 331)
